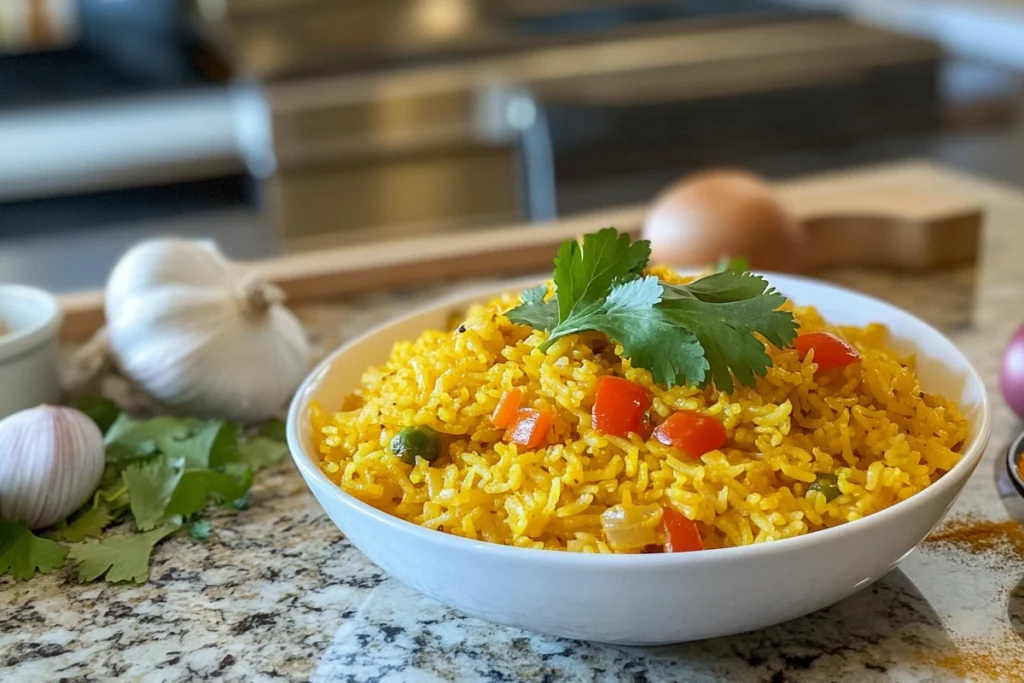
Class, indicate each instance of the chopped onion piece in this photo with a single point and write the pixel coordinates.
(631, 529)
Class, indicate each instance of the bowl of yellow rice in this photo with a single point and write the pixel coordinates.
(815, 482)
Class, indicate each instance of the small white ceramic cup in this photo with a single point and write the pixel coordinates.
(30, 319)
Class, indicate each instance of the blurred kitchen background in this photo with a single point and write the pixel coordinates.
(283, 125)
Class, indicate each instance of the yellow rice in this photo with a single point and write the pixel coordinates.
(869, 424)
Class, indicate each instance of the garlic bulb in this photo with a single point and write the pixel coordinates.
(202, 334)
(51, 461)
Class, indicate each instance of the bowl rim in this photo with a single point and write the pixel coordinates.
(956, 477)
(1013, 455)
(18, 341)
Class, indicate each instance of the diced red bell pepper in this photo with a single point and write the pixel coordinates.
(620, 406)
(530, 427)
(507, 407)
(691, 432)
(830, 351)
(681, 534)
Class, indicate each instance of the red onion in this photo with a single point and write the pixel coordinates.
(1011, 377)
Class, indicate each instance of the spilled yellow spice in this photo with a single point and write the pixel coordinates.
(976, 535)
(999, 657)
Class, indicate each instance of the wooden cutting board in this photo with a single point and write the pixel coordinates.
(907, 216)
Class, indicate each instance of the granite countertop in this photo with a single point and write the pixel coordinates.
(279, 595)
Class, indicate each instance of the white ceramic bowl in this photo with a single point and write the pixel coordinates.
(658, 598)
(30, 319)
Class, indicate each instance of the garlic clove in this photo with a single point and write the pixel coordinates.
(51, 461)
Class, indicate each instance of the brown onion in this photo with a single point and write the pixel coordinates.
(719, 214)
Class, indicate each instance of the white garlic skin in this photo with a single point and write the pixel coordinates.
(202, 334)
(51, 461)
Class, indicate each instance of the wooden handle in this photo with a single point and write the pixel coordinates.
(892, 216)
(884, 220)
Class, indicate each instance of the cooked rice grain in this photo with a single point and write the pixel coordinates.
(869, 424)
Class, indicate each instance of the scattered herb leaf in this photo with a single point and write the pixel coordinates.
(150, 487)
(88, 524)
(262, 452)
(196, 487)
(103, 411)
(120, 456)
(112, 494)
(118, 558)
(274, 429)
(22, 553)
(158, 472)
(188, 438)
(224, 448)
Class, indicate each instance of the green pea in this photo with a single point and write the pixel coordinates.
(413, 442)
(828, 484)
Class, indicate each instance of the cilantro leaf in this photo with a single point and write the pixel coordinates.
(585, 273)
(22, 553)
(630, 317)
(159, 471)
(88, 524)
(150, 487)
(224, 448)
(112, 494)
(723, 287)
(119, 558)
(131, 433)
(196, 487)
(274, 429)
(724, 316)
(102, 411)
(261, 452)
(120, 456)
(243, 473)
(188, 438)
(703, 331)
(534, 310)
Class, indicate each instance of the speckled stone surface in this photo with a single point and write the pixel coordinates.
(278, 595)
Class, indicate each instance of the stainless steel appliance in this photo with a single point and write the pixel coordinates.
(368, 118)
(398, 116)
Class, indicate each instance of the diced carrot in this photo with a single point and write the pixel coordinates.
(530, 427)
(507, 407)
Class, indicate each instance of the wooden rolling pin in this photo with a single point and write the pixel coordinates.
(904, 217)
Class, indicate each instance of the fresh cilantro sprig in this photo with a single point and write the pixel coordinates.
(697, 333)
(161, 475)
